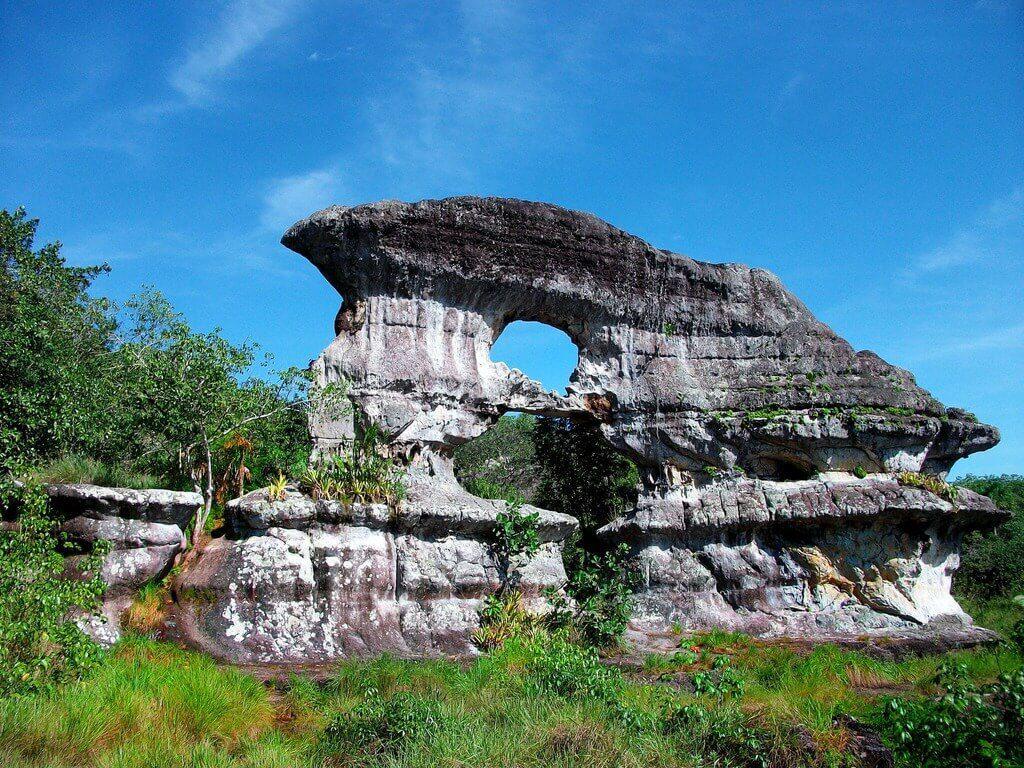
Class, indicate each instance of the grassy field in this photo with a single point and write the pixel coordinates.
(721, 700)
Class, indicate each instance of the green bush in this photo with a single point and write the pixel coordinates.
(40, 643)
(381, 724)
(731, 738)
(516, 532)
(561, 668)
(582, 475)
(968, 725)
(601, 586)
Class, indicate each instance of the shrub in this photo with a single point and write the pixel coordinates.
(733, 738)
(500, 461)
(363, 473)
(967, 725)
(561, 668)
(381, 724)
(602, 586)
(719, 681)
(516, 532)
(40, 643)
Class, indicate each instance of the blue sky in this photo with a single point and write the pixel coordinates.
(872, 155)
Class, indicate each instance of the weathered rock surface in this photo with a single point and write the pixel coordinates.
(686, 364)
(304, 581)
(814, 558)
(144, 527)
(694, 370)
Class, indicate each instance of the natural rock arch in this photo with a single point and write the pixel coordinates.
(769, 448)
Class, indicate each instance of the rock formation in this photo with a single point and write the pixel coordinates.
(144, 527)
(304, 580)
(768, 447)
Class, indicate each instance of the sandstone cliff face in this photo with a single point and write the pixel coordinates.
(750, 419)
(144, 527)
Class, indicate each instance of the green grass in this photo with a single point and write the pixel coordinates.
(154, 705)
(81, 469)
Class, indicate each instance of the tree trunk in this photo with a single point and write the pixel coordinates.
(204, 515)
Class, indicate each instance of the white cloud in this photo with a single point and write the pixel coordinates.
(994, 231)
(1002, 339)
(241, 26)
(290, 198)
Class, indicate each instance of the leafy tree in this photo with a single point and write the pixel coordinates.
(581, 474)
(992, 564)
(40, 643)
(188, 397)
(501, 462)
(53, 350)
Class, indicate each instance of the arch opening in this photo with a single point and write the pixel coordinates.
(541, 351)
(562, 464)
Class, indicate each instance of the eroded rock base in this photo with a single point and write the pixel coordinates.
(816, 559)
(304, 581)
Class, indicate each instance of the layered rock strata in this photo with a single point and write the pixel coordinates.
(812, 558)
(300, 580)
(145, 528)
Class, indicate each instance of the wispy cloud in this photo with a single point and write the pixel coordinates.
(241, 26)
(1002, 339)
(288, 199)
(994, 231)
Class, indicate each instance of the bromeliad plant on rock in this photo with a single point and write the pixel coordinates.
(362, 473)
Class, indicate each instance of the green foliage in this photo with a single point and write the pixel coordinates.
(503, 618)
(148, 705)
(992, 564)
(502, 461)
(968, 725)
(582, 475)
(765, 414)
(276, 487)
(362, 472)
(601, 584)
(381, 724)
(516, 532)
(189, 403)
(539, 701)
(728, 735)
(54, 345)
(40, 644)
(859, 472)
(719, 681)
(121, 394)
(929, 483)
(560, 668)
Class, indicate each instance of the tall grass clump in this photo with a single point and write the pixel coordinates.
(147, 704)
(83, 469)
